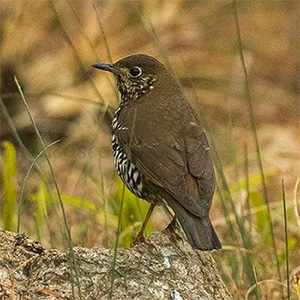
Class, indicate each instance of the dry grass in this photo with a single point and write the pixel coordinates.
(49, 45)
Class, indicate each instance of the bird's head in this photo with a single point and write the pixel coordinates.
(136, 75)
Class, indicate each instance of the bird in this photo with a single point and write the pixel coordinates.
(161, 151)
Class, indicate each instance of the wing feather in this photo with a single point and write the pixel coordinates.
(182, 168)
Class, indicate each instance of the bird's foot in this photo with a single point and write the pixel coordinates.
(172, 229)
(138, 239)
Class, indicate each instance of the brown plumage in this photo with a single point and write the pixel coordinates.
(161, 152)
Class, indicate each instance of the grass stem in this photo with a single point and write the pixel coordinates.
(68, 231)
(286, 243)
(254, 132)
(116, 246)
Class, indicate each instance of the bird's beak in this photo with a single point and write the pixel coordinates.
(107, 67)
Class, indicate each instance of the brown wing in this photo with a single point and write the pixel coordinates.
(184, 169)
(200, 166)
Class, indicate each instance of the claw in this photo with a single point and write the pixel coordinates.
(172, 229)
(138, 239)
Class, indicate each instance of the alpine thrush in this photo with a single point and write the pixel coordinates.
(160, 150)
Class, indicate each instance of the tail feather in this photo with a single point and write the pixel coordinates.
(199, 231)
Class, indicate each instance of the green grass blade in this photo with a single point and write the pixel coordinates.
(225, 196)
(92, 46)
(103, 32)
(152, 32)
(286, 244)
(297, 286)
(14, 130)
(261, 215)
(41, 201)
(20, 142)
(68, 231)
(116, 247)
(77, 56)
(102, 194)
(256, 285)
(81, 27)
(254, 132)
(297, 214)
(134, 211)
(9, 174)
(248, 194)
(107, 48)
(20, 200)
(223, 188)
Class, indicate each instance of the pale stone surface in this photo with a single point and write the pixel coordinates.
(28, 271)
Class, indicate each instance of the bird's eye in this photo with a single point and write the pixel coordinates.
(135, 72)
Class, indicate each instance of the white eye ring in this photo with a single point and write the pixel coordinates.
(135, 72)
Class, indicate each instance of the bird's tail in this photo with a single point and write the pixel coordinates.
(199, 231)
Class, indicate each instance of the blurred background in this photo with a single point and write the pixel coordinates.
(50, 45)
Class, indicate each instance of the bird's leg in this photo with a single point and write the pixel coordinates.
(171, 228)
(140, 237)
